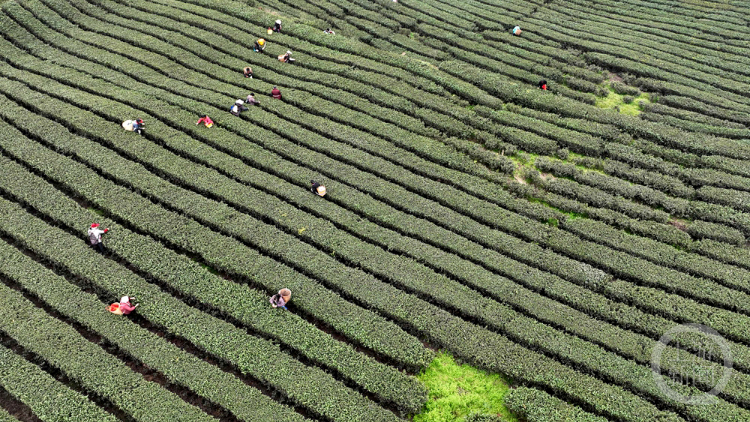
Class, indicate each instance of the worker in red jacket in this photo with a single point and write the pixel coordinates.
(205, 120)
(275, 93)
(543, 85)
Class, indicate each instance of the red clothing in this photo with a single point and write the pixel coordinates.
(276, 93)
(126, 308)
(206, 120)
(544, 87)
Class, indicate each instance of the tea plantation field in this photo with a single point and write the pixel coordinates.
(549, 236)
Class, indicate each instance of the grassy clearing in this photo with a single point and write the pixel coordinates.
(617, 102)
(524, 163)
(457, 391)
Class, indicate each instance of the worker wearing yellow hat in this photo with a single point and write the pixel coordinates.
(259, 46)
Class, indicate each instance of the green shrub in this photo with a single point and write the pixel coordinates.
(537, 406)
(703, 230)
(35, 388)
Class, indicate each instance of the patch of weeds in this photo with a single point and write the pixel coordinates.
(525, 169)
(570, 214)
(456, 391)
(614, 101)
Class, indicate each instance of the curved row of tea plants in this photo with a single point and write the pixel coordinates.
(32, 386)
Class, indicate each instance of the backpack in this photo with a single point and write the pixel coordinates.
(93, 238)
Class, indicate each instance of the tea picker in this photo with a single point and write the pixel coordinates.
(286, 58)
(237, 107)
(136, 126)
(124, 307)
(317, 188)
(206, 121)
(280, 299)
(275, 93)
(95, 237)
(251, 100)
(259, 45)
(276, 26)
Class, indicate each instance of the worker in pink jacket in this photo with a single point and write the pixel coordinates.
(125, 306)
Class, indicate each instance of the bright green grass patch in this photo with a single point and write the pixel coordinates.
(524, 164)
(616, 101)
(524, 158)
(457, 391)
